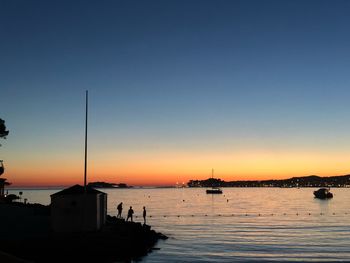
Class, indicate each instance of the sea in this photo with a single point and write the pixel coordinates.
(240, 225)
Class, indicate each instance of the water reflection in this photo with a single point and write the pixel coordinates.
(257, 224)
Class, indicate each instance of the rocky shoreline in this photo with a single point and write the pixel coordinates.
(25, 233)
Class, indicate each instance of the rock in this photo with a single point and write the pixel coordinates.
(118, 240)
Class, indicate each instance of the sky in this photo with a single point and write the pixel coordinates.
(253, 89)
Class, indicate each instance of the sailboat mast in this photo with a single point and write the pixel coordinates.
(86, 122)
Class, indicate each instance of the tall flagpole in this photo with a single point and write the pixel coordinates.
(86, 123)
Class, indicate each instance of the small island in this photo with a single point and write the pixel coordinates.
(108, 185)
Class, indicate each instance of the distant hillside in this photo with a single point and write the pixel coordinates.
(107, 185)
(306, 181)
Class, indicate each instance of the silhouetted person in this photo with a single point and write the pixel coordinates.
(130, 213)
(120, 209)
(144, 215)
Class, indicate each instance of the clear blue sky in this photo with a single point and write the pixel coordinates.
(174, 77)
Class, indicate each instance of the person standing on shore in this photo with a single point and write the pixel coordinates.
(130, 213)
(120, 209)
(144, 215)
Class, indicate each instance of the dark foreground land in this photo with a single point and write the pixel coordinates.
(25, 233)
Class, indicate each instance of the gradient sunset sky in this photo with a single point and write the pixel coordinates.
(253, 89)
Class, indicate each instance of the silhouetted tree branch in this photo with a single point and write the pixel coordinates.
(3, 131)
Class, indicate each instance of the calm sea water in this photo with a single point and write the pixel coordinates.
(243, 224)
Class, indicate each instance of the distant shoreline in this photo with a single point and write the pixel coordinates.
(294, 182)
(342, 181)
(156, 187)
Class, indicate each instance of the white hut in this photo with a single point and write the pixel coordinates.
(76, 210)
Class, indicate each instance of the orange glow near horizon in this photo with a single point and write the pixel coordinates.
(156, 169)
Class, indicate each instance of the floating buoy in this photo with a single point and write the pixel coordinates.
(239, 214)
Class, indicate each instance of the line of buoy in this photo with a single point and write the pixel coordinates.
(245, 214)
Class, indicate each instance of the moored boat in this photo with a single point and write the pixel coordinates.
(213, 190)
(323, 193)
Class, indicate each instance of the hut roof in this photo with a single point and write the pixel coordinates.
(77, 189)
